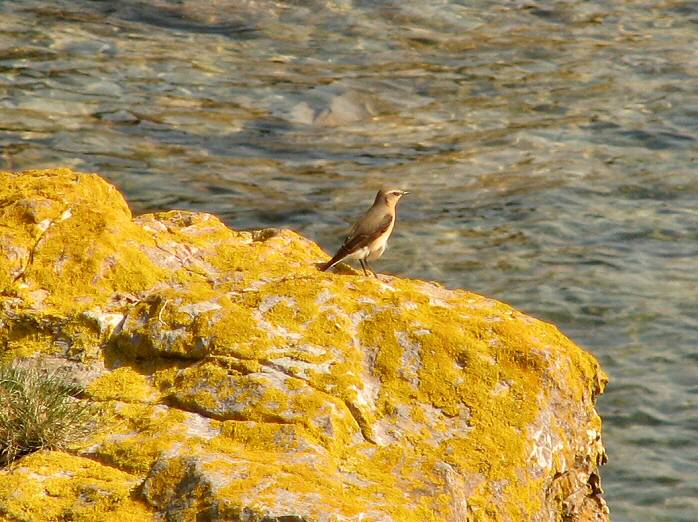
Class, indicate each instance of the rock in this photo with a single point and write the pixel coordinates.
(51, 485)
(240, 383)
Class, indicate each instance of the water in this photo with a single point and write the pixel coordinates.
(550, 146)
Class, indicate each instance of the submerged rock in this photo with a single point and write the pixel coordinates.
(240, 383)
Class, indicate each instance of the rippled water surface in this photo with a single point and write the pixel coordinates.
(550, 146)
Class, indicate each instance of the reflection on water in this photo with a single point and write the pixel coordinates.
(550, 146)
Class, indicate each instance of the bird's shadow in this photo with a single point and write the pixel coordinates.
(348, 270)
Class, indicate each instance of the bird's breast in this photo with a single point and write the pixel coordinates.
(377, 252)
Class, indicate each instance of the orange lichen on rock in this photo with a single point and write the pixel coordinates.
(238, 380)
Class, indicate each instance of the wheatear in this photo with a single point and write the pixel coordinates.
(368, 237)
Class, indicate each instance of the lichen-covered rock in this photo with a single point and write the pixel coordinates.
(57, 486)
(240, 383)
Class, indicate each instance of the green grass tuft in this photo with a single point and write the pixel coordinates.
(39, 409)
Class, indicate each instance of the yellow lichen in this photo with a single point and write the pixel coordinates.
(123, 384)
(54, 486)
(230, 352)
(83, 249)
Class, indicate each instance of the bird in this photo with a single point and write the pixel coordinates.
(368, 237)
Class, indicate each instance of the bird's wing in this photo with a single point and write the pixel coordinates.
(360, 236)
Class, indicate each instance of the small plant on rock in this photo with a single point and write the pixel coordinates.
(40, 409)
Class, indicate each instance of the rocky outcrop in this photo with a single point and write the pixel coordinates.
(240, 383)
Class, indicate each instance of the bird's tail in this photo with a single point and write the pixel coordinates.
(336, 259)
(327, 266)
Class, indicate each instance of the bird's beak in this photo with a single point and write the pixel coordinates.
(404, 192)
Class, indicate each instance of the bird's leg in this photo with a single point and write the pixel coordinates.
(372, 270)
(363, 266)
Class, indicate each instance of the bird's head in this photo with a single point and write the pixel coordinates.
(390, 196)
